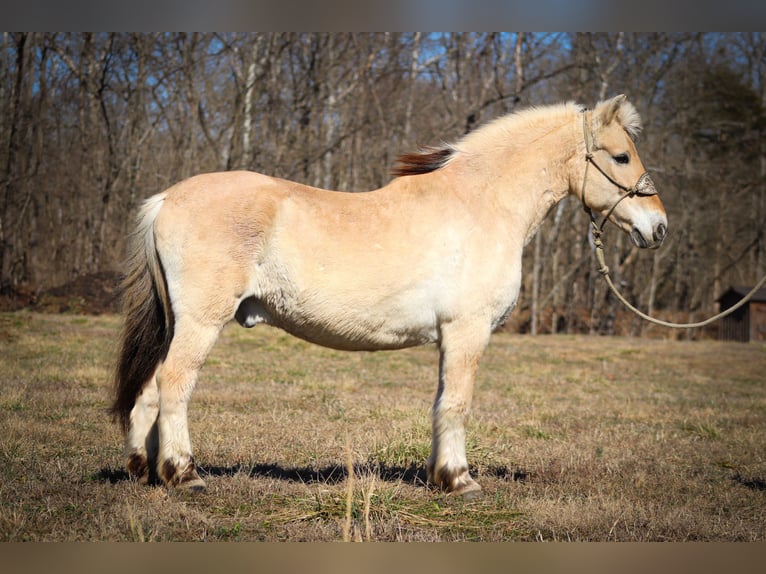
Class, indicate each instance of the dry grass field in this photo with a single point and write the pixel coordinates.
(572, 438)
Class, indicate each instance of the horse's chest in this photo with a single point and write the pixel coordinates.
(504, 301)
(500, 319)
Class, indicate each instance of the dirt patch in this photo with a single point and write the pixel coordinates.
(15, 299)
(91, 294)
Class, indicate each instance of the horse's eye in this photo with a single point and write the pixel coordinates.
(621, 158)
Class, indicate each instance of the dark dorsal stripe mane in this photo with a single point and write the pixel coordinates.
(426, 160)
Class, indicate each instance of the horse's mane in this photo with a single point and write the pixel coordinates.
(425, 160)
(431, 158)
(511, 130)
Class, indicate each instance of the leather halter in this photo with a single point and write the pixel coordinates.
(644, 186)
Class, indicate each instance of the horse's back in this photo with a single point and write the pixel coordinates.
(224, 189)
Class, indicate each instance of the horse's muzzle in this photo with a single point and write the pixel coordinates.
(652, 235)
(659, 231)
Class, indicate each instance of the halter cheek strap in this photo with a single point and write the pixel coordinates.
(644, 186)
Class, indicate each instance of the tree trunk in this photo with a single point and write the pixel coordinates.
(8, 255)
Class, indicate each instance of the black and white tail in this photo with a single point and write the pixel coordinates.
(148, 327)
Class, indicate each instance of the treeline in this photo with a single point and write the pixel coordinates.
(91, 124)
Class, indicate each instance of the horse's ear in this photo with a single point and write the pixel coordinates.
(611, 108)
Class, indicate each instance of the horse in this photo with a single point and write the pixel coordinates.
(432, 257)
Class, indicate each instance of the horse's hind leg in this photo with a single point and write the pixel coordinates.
(141, 440)
(460, 351)
(176, 378)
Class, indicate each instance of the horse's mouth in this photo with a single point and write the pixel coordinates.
(638, 239)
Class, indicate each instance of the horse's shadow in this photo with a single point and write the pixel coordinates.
(330, 474)
(333, 474)
(337, 473)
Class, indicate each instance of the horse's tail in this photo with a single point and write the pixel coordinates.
(148, 327)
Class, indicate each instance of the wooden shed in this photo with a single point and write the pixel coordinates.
(748, 323)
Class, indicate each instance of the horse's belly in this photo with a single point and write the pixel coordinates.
(346, 327)
(360, 338)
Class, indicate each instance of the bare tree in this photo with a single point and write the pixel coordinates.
(92, 123)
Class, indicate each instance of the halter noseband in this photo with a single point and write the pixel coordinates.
(643, 187)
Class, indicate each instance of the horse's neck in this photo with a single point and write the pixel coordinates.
(528, 181)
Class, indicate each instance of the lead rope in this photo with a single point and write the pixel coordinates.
(604, 270)
(598, 230)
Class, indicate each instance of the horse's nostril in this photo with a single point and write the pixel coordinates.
(659, 233)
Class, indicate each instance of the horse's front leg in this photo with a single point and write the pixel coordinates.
(460, 351)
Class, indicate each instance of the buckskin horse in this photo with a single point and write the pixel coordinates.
(432, 257)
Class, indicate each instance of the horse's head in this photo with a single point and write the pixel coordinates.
(615, 183)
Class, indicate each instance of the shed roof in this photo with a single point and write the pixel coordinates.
(759, 297)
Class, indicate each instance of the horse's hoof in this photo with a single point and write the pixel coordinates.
(187, 479)
(470, 490)
(457, 483)
(194, 485)
(190, 480)
(471, 494)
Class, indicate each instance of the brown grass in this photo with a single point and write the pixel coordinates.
(572, 438)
